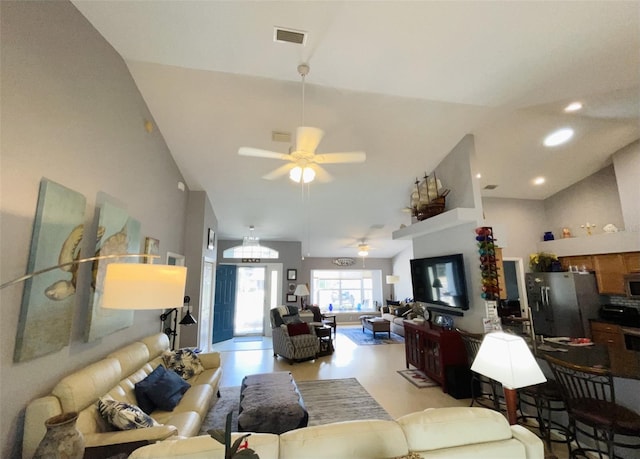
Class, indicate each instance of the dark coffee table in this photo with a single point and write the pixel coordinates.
(375, 325)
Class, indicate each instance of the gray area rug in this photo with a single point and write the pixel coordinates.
(328, 400)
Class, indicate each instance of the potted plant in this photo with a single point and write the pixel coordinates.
(240, 448)
(543, 262)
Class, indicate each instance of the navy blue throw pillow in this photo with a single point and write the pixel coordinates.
(167, 391)
(141, 389)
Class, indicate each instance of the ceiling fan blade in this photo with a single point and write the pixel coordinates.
(308, 138)
(321, 174)
(279, 172)
(345, 157)
(257, 152)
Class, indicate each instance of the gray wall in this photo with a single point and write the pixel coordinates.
(72, 113)
(594, 199)
(627, 166)
(289, 257)
(200, 217)
(518, 224)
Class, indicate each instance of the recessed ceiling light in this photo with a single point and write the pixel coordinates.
(538, 180)
(478, 175)
(573, 107)
(558, 137)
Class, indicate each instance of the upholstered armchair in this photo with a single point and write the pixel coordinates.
(293, 339)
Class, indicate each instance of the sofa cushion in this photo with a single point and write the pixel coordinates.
(141, 388)
(124, 416)
(167, 391)
(298, 329)
(402, 311)
(185, 362)
(446, 425)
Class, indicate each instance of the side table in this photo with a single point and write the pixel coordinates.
(326, 343)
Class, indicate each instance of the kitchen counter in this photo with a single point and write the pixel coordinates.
(596, 355)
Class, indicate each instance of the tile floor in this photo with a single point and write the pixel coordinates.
(374, 366)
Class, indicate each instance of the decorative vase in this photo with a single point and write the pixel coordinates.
(62, 439)
(548, 236)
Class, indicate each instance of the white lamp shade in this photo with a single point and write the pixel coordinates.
(143, 286)
(393, 279)
(506, 358)
(301, 290)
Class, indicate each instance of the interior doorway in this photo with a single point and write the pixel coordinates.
(515, 283)
(250, 301)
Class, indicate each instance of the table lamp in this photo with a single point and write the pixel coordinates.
(301, 291)
(506, 358)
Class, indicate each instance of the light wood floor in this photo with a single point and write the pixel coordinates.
(374, 366)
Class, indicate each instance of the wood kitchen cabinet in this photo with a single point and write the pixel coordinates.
(579, 261)
(432, 349)
(609, 268)
(610, 271)
(624, 362)
(632, 262)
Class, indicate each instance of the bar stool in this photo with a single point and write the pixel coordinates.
(593, 412)
(546, 398)
(480, 383)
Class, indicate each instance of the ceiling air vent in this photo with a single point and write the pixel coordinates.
(279, 136)
(491, 187)
(282, 35)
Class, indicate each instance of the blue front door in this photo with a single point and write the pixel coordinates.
(224, 305)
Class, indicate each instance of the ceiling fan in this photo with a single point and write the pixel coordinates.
(303, 162)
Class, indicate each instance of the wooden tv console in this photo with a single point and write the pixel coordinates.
(432, 349)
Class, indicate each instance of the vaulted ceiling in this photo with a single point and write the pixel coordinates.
(403, 81)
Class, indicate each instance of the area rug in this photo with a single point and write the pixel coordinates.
(328, 400)
(357, 336)
(417, 378)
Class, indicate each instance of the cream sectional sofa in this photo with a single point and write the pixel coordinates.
(116, 376)
(455, 433)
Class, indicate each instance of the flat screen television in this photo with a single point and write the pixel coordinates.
(440, 281)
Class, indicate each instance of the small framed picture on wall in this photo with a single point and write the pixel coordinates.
(291, 298)
(292, 274)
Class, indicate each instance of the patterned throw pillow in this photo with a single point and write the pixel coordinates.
(185, 362)
(411, 455)
(124, 416)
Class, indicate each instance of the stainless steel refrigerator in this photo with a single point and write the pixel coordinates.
(562, 303)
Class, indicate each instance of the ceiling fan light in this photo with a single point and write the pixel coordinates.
(363, 253)
(295, 174)
(305, 175)
(308, 175)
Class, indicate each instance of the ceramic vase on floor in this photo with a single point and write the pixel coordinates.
(62, 440)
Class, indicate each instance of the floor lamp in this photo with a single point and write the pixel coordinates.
(392, 280)
(506, 358)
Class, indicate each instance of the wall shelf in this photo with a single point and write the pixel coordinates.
(622, 241)
(445, 220)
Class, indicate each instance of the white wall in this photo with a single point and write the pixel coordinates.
(72, 113)
(627, 167)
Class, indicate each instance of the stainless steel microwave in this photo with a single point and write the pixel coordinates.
(632, 285)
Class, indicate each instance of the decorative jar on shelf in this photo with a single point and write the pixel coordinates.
(548, 236)
(62, 439)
